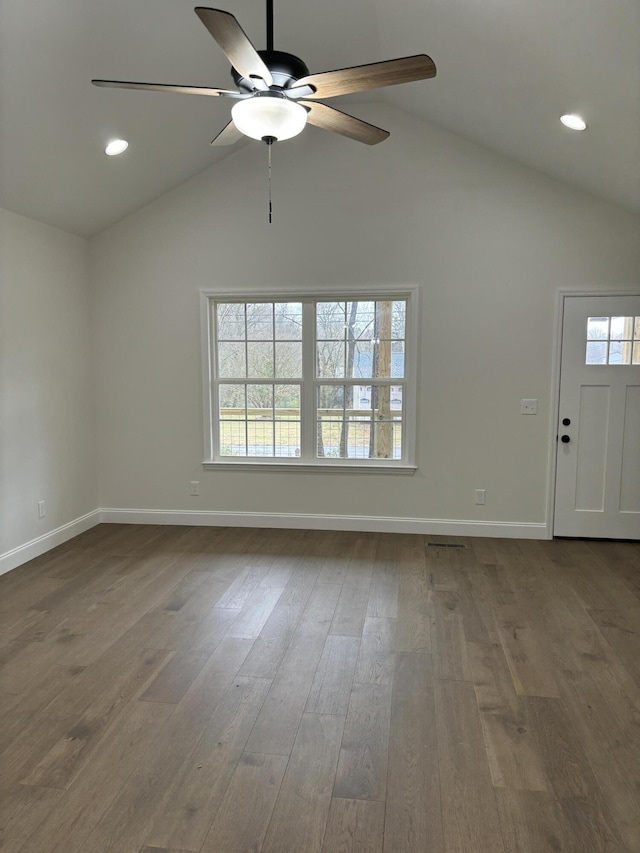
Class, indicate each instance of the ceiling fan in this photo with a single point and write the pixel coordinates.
(276, 96)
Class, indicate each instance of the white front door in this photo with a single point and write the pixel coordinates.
(598, 461)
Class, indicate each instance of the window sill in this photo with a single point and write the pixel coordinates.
(307, 467)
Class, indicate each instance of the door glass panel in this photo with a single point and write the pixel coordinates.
(596, 352)
(610, 340)
(597, 328)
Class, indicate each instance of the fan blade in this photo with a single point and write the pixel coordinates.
(161, 87)
(234, 41)
(329, 84)
(328, 118)
(229, 135)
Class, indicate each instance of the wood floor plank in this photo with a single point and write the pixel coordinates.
(376, 661)
(413, 811)
(175, 678)
(414, 614)
(528, 660)
(277, 724)
(623, 636)
(68, 755)
(333, 679)
(182, 815)
(511, 749)
(354, 826)
(448, 642)
(255, 613)
(352, 609)
(569, 771)
(116, 757)
(242, 820)
(533, 822)
(469, 815)
(270, 646)
(20, 709)
(612, 749)
(22, 810)
(383, 596)
(276, 728)
(362, 768)
(302, 807)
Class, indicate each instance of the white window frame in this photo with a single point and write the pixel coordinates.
(405, 465)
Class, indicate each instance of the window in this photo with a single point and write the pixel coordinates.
(613, 340)
(296, 381)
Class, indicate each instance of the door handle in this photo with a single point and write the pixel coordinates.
(565, 439)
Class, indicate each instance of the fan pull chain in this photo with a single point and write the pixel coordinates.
(269, 140)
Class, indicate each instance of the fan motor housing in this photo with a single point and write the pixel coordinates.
(285, 69)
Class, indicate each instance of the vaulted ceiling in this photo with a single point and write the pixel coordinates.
(507, 70)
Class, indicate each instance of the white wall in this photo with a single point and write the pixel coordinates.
(46, 411)
(489, 243)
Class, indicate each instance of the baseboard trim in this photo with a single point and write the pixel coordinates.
(23, 553)
(368, 524)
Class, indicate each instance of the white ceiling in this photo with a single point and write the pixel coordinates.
(507, 69)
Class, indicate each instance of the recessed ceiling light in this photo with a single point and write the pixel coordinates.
(573, 122)
(116, 146)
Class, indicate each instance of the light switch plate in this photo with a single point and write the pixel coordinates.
(528, 407)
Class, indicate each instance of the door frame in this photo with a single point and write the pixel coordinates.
(554, 408)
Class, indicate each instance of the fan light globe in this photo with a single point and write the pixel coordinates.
(269, 115)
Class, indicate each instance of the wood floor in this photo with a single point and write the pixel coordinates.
(215, 689)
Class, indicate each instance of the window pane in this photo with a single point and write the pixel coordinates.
(259, 321)
(619, 352)
(260, 359)
(387, 439)
(233, 438)
(397, 359)
(331, 397)
(330, 359)
(621, 328)
(395, 401)
(259, 402)
(636, 353)
(360, 320)
(287, 438)
(399, 319)
(288, 317)
(636, 329)
(362, 355)
(230, 321)
(597, 328)
(287, 401)
(260, 438)
(289, 360)
(331, 321)
(232, 397)
(596, 352)
(232, 359)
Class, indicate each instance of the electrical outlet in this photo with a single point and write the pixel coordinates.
(481, 495)
(42, 511)
(195, 488)
(528, 407)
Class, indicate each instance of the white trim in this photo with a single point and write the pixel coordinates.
(330, 466)
(292, 521)
(23, 553)
(308, 521)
